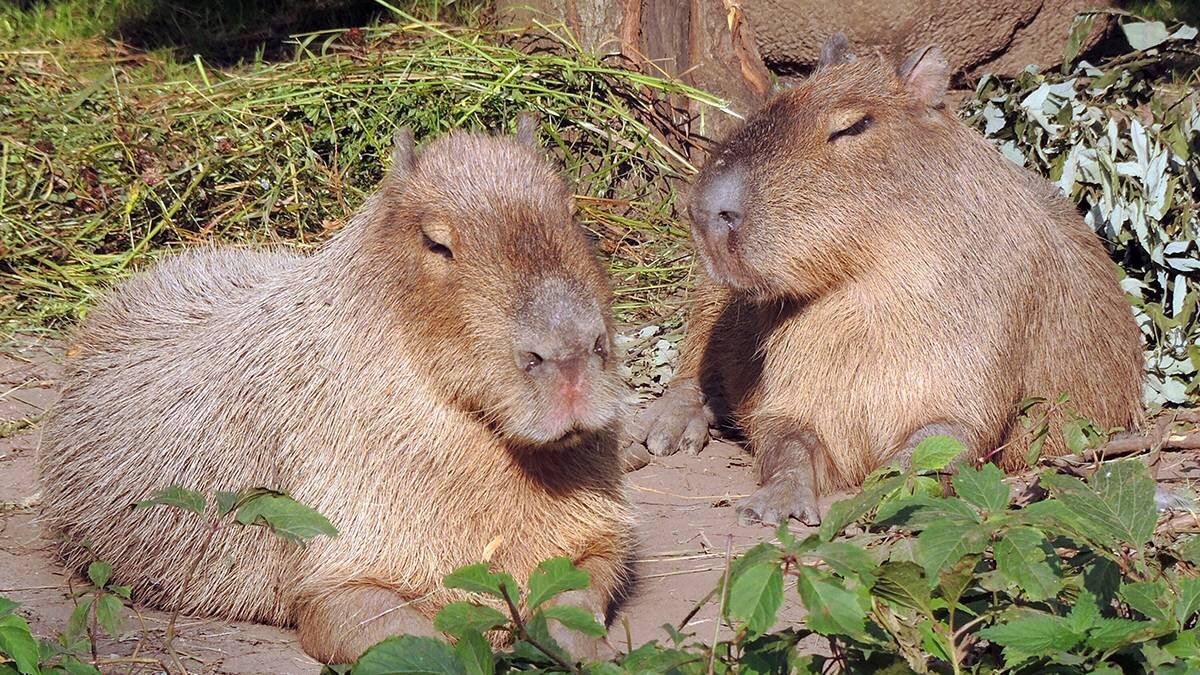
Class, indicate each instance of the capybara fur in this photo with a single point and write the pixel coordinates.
(437, 380)
(879, 273)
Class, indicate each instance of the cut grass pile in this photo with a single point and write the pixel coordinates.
(109, 157)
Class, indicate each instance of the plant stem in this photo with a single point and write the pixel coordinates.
(524, 633)
(712, 648)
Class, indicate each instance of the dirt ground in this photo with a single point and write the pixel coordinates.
(684, 506)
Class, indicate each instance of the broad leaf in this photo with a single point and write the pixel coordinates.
(832, 608)
(847, 560)
(478, 578)
(110, 614)
(936, 453)
(755, 596)
(575, 618)
(552, 577)
(100, 572)
(475, 652)
(1025, 558)
(7, 606)
(1118, 503)
(410, 655)
(188, 500)
(943, 543)
(1188, 602)
(17, 642)
(460, 618)
(903, 584)
(285, 517)
(1151, 598)
(1114, 633)
(1033, 633)
(984, 488)
(1145, 34)
(847, 511)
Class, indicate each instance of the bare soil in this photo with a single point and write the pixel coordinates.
(684, 504)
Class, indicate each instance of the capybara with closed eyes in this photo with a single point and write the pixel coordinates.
(879, 273)
(438, 380)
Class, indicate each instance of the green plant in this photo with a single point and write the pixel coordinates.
(1121, 137)
(1077, 582)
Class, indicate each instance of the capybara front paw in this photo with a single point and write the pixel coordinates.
(676, 421)
(774, 503)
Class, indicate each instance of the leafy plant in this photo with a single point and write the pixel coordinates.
(1121, 138)
(930, 582)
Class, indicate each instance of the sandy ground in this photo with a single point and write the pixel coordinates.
(684, 506)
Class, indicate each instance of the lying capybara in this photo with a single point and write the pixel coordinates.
(438, 381)
(881, 274)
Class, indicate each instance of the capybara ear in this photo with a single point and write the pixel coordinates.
(527, 126)
(403, 154)
(835, 51)
(926, 74)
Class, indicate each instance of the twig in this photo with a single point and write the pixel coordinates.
(524, 632)
(712, 648)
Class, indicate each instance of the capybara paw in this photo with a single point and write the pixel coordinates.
(774, 504)
(675, 422)
(634, 457)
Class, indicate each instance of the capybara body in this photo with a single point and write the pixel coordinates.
(436, 380)
(879, 273)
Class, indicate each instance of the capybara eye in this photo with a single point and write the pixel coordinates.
(854, 129)
(440, 249)
(600, 345)
(530, 360)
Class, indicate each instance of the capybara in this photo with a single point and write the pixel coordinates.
(879, 273)
(438, 380)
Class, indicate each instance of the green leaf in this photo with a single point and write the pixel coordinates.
(1084, 614)
(1034, 633)
(18, 644)
(99, 572)
(1114, 633)
(846, 559)
(1151, 598)
(1080, 30)
(77, 625)
(552, 577)
(755, 596)
(477, 578)
(475, 653)
(984, 488)
(286, 517)
(944, 543)
(1027, 559)
(410, 655)
(1188, 548)
(1118, 503)
(109, 614)
(7, 606)
(576, 618)
(1146, 34)
(902, 584)
(934, 643)
(936, 453)
(918, 512)
(459, 618)
(226, 501)
(832, 608)
(846, 511)
(1188, 601)
(178, 497)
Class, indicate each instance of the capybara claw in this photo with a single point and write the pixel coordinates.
(773, 504)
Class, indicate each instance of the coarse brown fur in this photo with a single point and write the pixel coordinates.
(374, 381)
(880, 281)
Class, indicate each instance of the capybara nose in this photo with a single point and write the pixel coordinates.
(561, 353)
(719, 204)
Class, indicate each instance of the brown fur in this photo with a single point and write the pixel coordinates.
(374, 381)
(889, 282)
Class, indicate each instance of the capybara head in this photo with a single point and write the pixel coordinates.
(791, 202)
(503, 285)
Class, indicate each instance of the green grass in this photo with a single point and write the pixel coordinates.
(108, 158)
